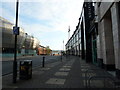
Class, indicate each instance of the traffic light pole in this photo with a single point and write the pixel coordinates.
(15, 48)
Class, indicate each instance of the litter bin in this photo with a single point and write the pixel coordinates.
(25, 70)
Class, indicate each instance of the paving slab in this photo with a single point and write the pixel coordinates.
(70, 73)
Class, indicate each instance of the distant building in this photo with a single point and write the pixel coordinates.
(44, 50)
(56, 52)
(26, 44)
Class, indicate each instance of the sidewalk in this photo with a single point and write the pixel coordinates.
(12, 58)
(70, 73)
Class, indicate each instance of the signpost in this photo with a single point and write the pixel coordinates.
(15, 32)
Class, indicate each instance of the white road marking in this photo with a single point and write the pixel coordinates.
(55, 81)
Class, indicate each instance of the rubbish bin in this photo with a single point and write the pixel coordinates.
(25, 70)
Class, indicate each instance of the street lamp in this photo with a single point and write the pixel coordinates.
(63, 45)
(69, 33)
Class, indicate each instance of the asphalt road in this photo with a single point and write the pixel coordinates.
(7, 66)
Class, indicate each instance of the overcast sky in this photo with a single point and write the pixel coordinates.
(47, 20)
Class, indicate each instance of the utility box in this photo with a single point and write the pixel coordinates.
(25, 70)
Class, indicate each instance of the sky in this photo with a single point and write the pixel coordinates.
(46, 20)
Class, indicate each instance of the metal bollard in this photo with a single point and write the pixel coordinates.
(43, 63)
(61, 58)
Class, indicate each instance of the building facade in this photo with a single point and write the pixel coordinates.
(26, 44)
(96, 38)
(80, 42)
(44, 50)
(108, 39)
(56, 52)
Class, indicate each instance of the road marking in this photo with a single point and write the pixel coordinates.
(85, 66)
(55, 81)
(88, 74)
(64, 69)
(83, 70)
(66, 66)
(61, 73)
(53, 64)
(44, 68)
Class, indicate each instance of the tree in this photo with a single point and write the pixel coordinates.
(48, 50)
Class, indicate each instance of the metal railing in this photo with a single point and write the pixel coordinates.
(97, 78)
(101, 81)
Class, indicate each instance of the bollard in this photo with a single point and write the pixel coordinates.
(43, 63)
(66, 56)
(61, 58)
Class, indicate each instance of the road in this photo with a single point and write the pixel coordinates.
(7, 66)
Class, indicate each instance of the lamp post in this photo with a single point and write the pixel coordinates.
(69, 33)
(16, 32)
(63, 45)
(61, 55)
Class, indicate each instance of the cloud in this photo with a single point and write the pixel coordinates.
(6, 11)
(57, 12)
(46, 18)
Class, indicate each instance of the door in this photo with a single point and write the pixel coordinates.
(94, 51)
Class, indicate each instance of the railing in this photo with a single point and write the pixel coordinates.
(96, 78)
(101, 82)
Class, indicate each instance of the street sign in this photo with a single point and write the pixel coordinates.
(16, 30)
